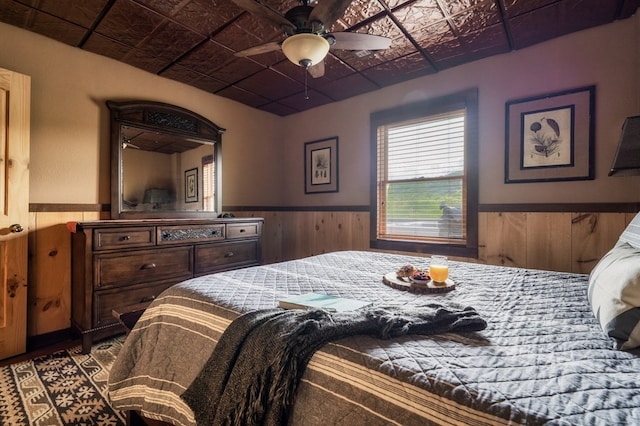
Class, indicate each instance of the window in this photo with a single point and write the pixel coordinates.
(208, 183)
(424, 196)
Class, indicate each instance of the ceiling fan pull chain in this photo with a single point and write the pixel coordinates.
(306, 74)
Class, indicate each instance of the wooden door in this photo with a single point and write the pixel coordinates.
(15, 94)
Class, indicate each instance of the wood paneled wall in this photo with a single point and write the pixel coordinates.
(571, 242)
(49, 281)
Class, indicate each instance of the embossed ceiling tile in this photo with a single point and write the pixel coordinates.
(164, 7)
(243, 96)
(357, 12)
(14, 13)
(452, 61)
(558, 19)
(57, 29)
(209, 84)
(517, 7)
(335, 68)
(170, 41)
(248, 31)
(344, 88)
(206, 57)
(439, 41)
(482, 15)
(129, 23)
(399, 70)
(393, 4)
(488, 41)
(270, 84)
(106, 47)
(299, 102)
(235, 70)
(81, 12)
(418, 15)
(143, 61)
(207, 16)
(277, 108)
(180, 73)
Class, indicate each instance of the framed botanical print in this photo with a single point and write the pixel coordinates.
(550, 137)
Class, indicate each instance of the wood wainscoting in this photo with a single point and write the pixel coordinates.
(557, 241)
(571, 241)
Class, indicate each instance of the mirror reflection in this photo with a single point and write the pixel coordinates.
(166, 172)
(166, 162)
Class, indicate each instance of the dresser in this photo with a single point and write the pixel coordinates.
(118, 263)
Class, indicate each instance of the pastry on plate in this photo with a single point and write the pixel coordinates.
(406, 271)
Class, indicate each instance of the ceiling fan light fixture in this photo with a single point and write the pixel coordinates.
(305, 49)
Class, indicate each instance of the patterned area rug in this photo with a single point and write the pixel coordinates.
(64, 388)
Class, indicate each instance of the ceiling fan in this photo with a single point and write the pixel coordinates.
(306, 27)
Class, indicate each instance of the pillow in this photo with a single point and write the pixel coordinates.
(631, 234)
(614, 295)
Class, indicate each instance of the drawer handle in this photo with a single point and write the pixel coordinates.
(147, 299)
(125, 238)
(229, 254)
(148, 266)
(242, 230)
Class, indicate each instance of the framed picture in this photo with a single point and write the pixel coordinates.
(550, 137)
(191, 186)
(321, 166)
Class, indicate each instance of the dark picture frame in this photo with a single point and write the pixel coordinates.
(191, 185)
(550, 137)
(321, 166)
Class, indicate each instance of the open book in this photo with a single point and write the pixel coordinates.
(322, 301)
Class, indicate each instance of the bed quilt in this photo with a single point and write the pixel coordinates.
(541, 360)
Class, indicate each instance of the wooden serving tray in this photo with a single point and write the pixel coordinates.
(405, 284)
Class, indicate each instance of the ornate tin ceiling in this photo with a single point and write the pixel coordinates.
(193, 41)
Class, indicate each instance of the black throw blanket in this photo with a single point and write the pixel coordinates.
(253, 373)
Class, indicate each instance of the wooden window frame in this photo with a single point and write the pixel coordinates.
(468, 100)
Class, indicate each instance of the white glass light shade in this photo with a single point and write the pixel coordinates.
(305, 49)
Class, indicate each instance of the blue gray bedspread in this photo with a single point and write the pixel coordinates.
(541, 360)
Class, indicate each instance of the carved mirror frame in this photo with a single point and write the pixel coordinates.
(181, 127)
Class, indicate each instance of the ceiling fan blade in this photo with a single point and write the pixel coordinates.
(329, 11)
(359, 41)
(257, 50)
(264, 11)
(317, 70)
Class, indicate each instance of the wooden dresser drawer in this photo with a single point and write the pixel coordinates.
(215, 257)
(119, 263)
(113, 238)
(195, 233)
(119, 269)
(106, 301)
(246, 230)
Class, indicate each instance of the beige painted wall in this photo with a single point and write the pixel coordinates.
(607, 56)
(263, 153)
(70, 128)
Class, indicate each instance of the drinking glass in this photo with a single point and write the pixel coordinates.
(439, 268)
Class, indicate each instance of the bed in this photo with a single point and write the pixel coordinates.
(554, 350)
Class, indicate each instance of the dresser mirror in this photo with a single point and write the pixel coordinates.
(165, 162)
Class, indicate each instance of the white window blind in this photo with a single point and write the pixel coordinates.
(421, 179)
(208, 183)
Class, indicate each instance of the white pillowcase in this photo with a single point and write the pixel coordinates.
(614, 294)
(631, 234)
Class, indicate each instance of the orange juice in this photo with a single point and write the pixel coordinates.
(439, 273)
